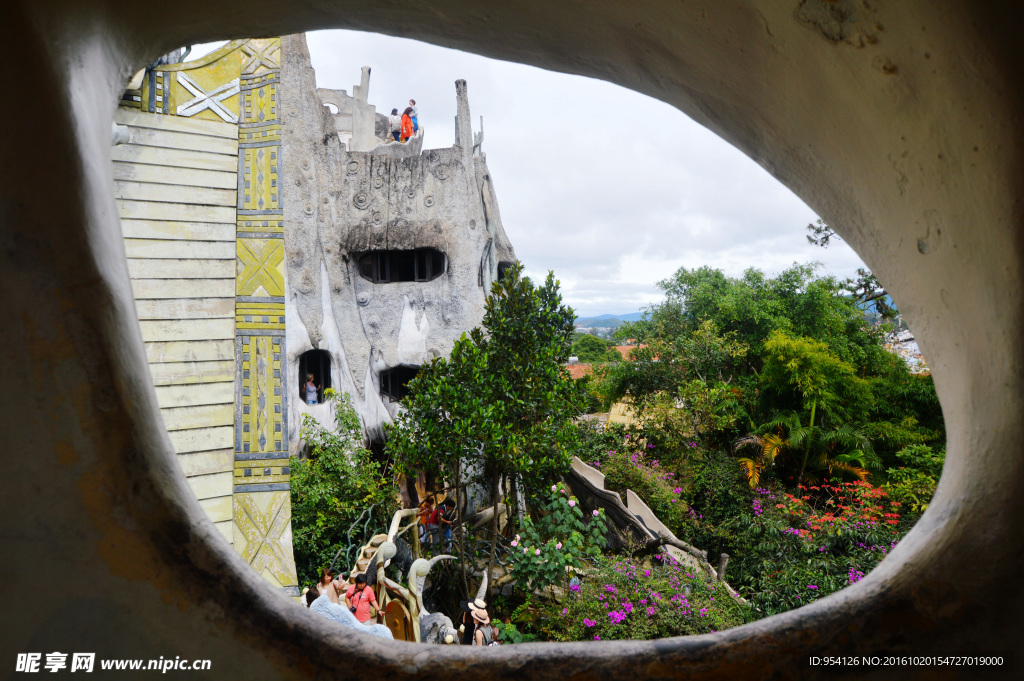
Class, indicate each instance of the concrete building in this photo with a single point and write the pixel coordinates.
(271, 233)
(390, 252)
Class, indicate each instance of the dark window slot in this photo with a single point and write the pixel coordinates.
(394, 382)
(386, 267)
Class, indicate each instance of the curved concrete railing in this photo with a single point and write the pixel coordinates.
(635, 519)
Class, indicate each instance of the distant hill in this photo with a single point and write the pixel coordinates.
(612, 321)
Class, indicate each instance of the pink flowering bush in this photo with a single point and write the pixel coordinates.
(560, 540)
(636, 466)
(623, 599)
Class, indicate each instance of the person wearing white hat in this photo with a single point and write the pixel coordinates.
(484, 634)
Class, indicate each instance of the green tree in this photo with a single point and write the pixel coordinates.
(818, 378)
(593, 350)
(332, 486)
(502, 405)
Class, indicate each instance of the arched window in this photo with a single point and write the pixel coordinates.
(317, 363)
(394, 381)
(385, 267)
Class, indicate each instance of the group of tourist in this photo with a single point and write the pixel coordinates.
(359, 598)
(475, 625)
(433, 518)
(405, 125)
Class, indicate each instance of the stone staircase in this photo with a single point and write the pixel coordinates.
(365, 555)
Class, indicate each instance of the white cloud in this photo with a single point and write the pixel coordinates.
(609, 188)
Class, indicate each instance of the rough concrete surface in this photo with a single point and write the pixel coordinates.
(340, 204)
(904, 135)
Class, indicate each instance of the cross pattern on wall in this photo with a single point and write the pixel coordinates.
(208, 100)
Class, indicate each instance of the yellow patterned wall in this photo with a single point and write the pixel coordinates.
(262, 490)
(238, 85)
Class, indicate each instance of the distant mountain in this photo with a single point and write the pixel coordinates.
(609, 320)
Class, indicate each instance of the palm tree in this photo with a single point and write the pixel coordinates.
(843, 451)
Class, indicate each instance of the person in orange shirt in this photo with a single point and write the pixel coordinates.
(407, 129)
(360, 599)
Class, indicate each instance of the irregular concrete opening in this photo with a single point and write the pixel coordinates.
(502, 268)
(394, 382)
(315, 363)
(387, 267)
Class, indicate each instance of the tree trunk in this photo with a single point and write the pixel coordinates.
(460, 513)
(495, 500)
(807, 450)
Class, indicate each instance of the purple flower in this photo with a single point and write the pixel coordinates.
(572, 502)
(703, 612)
(525, 550)
(647, 573)
(565, 611)
(596, 514)
(650, 446)
(597, 637)
(554, 488)
(650, 610)
(513, 543)
(536, 552)
(575, 588)
(588, 622)
(812, 586)
(677, 490)
(558, 546)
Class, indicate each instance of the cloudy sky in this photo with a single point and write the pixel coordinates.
(609, 188)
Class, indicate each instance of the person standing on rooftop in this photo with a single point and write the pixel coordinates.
(407, 130)
(414, 116)
(396, 124)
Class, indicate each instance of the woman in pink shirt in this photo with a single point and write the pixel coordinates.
(359, 598)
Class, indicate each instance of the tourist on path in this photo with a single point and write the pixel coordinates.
(407, 130)
(360, 598)
(484, 635)
(414, 115)
(467, 625)
(328, 587)
(447, 519)
(396, 125)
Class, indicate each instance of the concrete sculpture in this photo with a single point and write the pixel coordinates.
(390, 253)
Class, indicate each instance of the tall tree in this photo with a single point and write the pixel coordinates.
(502, 404)
(865, 288)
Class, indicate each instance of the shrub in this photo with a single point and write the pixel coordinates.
(797, 549)
(561, 540)
(913, 484)
(631, 467)
(628, 600)
(332, 487)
